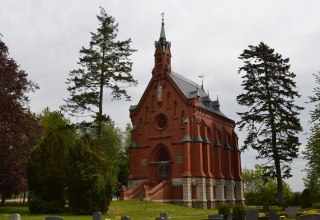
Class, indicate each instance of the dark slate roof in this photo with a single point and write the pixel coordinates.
(191, 90)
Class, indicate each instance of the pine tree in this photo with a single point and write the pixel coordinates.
(312, 151)
(104, 64)
(272, 120)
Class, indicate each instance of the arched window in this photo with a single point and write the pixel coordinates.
(140, 125)
(168, 100)
(152, 103)
(182, 118)
(175, 109)
(147, 114)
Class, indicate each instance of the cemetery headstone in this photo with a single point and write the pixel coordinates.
(52, 218)
(291, 212)
(14, 217)
(215, 217)
(97, 216)
(265, 207)
(164, 215)
(252, 214)
(274, 216)
(309, 217)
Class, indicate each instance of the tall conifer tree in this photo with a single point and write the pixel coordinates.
(104, 64)
(312, 151)
(272, 120)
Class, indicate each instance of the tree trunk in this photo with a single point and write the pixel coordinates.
(274, 142)
(3, 198)
(279, 182)
(24, 197)
(99, 121)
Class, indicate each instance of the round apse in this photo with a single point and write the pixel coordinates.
(161, 121)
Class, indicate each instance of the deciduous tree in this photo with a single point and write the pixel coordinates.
(104, 64)
(258, 188)
(19, 128)
(272, 120)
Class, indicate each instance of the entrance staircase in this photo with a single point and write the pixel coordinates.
(145, 190)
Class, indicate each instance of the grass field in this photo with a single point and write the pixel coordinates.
(136, 210)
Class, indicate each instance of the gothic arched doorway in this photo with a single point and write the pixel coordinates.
(163, 166)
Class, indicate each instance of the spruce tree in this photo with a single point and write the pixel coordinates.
(312, 151)
(104, 64)
(272, 119)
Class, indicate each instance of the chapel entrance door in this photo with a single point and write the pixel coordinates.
(163, 166)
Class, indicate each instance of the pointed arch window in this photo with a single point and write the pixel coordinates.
(147, 115)
(140, 125)
(152, 103)
(168, 100)
(175, 109)
(182, 118)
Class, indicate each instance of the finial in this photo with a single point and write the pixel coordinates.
(202, 76)
(162, 15)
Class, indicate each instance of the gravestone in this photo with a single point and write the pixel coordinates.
(97, 216)
(215, 217)
(14, 217)
(291, 212)
(265, 207)
(125, 218)
(52, 218)
(309, 217)
(274, 216)
(252, 214)
(164, 215)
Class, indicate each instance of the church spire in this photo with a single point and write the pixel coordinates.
(162, 39)
(162, 33)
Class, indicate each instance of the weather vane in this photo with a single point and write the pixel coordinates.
(202, 76)
(162, 15)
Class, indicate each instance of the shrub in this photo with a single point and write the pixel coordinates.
(239, 212)
(224, 209)
(306, 199)
(90, 183)
(40, 206)
(316, 205)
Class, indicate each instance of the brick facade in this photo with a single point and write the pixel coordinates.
(184, 149)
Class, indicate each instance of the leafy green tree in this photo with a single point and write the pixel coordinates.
(93, 174)
(306, 201)
(312, 151)
(258, 188)
(19, 128)
(47, 173)
(94, 167)
(124, 156)
(104, 64)
(272, 120)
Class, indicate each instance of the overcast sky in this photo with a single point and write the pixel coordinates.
(207, 37)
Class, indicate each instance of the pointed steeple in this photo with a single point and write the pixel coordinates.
(162, 33)
(162, 39)
(162, 55)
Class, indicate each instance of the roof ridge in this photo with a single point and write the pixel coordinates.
(187, 80)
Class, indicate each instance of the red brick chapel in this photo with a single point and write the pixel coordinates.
(184, 149)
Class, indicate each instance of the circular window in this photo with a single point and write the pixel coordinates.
(161, 121)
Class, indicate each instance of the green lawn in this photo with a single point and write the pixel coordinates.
(135, 209)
